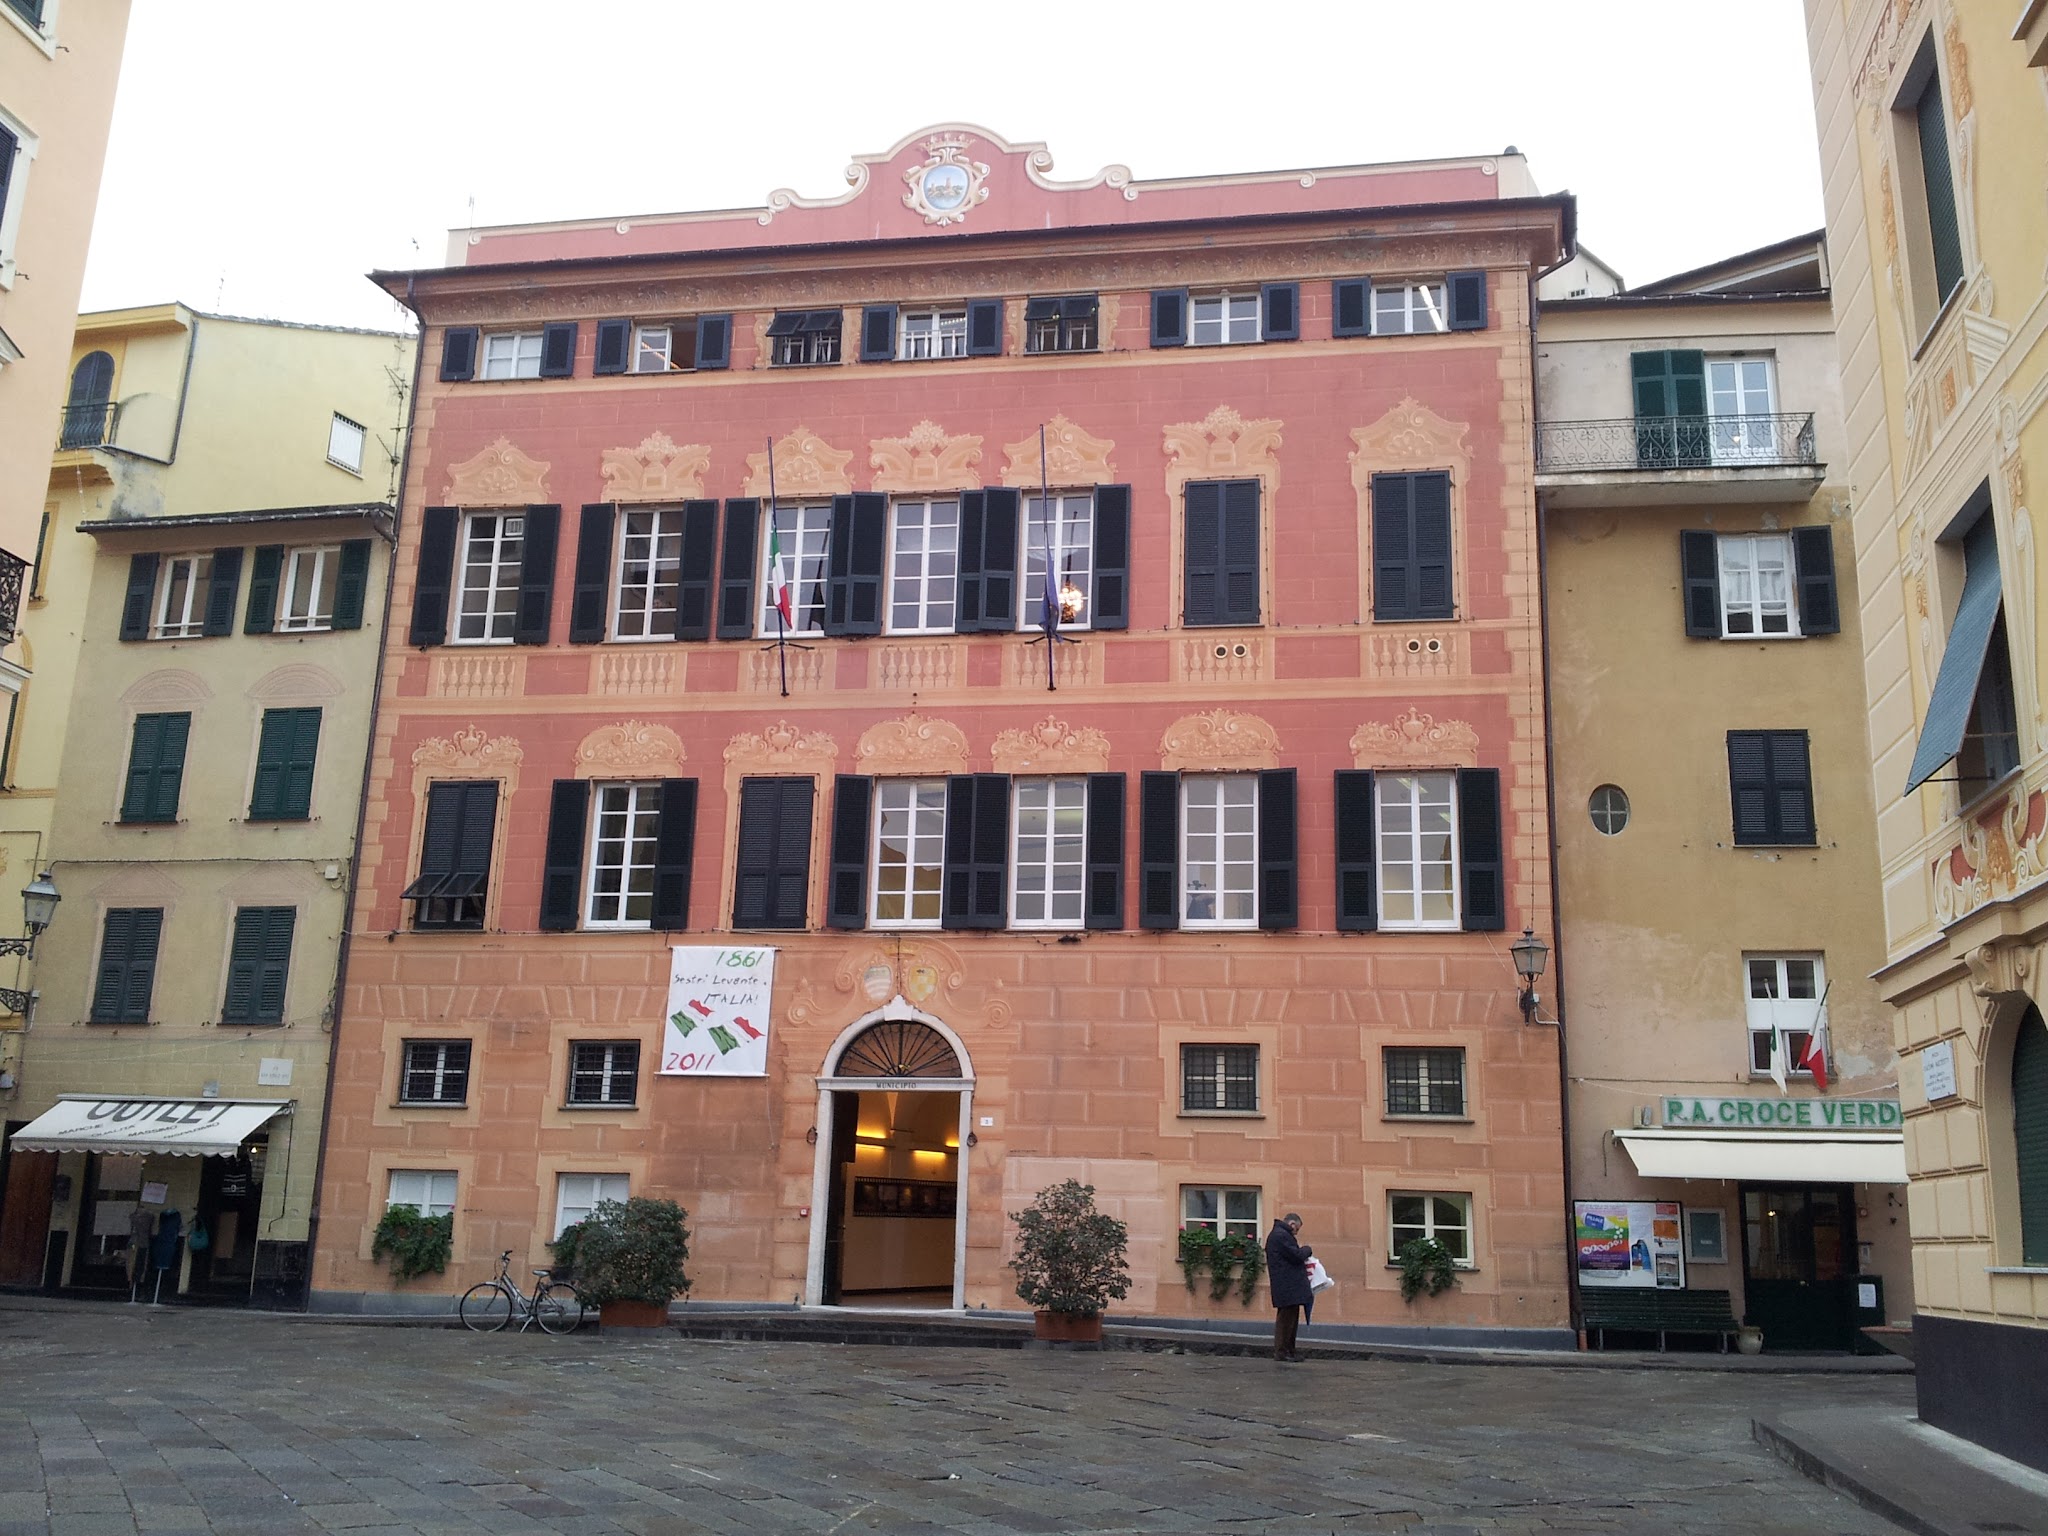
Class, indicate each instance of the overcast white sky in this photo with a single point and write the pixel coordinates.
(267, 153)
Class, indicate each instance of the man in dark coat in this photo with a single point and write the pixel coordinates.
(1287, 1274)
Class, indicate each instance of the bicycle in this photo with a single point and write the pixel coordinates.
(490, 1304)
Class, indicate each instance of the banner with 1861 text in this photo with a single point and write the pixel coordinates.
(718, 1001)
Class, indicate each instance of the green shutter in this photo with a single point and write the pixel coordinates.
(156, 768)
(285, 753)
(127, 968)
(265, 571)
(1943, 230)
(350, 585)
(257, 965)
(2030, 1135)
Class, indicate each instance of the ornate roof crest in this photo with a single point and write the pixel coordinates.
(948, 184)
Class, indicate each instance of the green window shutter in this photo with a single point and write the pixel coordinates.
(285, 753)
(2030, 1135)
(156, 768)
(1650, 373)
(127, 968)
(351, 583)
(265, 570)
(1943, 230)
(258, 964)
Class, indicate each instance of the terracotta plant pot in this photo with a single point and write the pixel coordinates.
(1067, 1327)
(632, 1314)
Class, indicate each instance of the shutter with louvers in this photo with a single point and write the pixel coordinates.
(736, 572)
(1279, 859)
(223, 586)
(1159, 850)
(984, 327)
(266, 570)
(1105, 851)
(878, 333)
(1938, 178)
(436, 575)
(479, 811)
(1239, 583)
(558, 349)
(1000, 517)
(537, 576)
(305, 754)
(2030, 1135)
(1170, 317)
(846, 904)
(772, 873)
(714, 341)
(127, 969)
(675, 844)
(275, 966)
(1813, 557)
(9, 142)
(1351, 306)
(974, 885)
(1792, 786)
(591, 599)
(441, 837)
(858, 554)
(1282, 305)
(1699, 566)
(1465, 297)
(561, 879)
(1202, 553)
(1393, 547)
(1671, 403)
(1112, 597)
(694, 574)
(967, 586)
(286, 748)
(352, 584)
(614, 346)
(1481, 872)
(458, 353)
(156, 768)
(141, 589)
(1431, 508)
(1357, 852)
(258, 965)
(1749, 786)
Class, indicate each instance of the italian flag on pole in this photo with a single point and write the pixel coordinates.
(778, 575)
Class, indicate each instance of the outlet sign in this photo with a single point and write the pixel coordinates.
(1822, 1115)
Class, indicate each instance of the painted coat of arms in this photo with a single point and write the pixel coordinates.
(948, 184)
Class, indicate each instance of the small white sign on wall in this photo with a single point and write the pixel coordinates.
(1938, 1070)
(274, 1072)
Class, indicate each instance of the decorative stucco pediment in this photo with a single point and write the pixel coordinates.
(927, 459)
(1223, 445)
(498, 475)
(1052, 746)
(658, 470)
(912, 744)
(1220, 739)
(631, 749)
(471, 750)
(784, 748)
(805, 465)
(1413, 739)
(1072, 457)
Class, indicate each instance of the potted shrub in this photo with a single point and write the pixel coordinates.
(1426, 1266)
(415, 1244)
(629, 1257)
(1070, 1262)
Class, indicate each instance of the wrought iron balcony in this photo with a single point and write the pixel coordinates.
(1659, 443)
(13, 571)
(87, 426)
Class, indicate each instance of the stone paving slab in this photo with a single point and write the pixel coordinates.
(120, 1419)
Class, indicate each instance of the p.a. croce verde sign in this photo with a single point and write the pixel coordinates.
(1785, 1114)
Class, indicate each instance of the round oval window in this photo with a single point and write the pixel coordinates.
(1609, 809)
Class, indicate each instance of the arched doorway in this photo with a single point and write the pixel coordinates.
(889, 1188)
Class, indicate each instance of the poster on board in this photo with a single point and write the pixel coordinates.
(718, 1008)
(1629, 1243)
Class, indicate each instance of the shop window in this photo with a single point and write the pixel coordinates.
(455, 855)
(604, 1073)
(1219, 1079)
(1048, 866)
(126, 975)
(772, 877)
(924, 566)
(909, 852)
(156, 768)
(1443, 1217)
(1225, 1210)
(578, 1194)
(435, 1072)
(1425, 1082)
(259, 964)
(431, 1193)
(287, 748)
(1784, 994)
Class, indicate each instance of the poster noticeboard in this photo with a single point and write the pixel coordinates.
(718, 1010)
(1629, 1243)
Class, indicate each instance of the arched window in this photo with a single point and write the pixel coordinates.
(898, 1048)
(86, 410)
(2030, 1135)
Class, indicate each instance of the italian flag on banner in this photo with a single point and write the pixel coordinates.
(777, 574)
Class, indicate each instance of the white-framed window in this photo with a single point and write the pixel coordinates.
(577, 1195)
(1425, 1080)
(435, 1072)
(804, 536)
(624, 821)
(933, 333)
(512, 355)
(1418, 838)
(1408, 309)
(924, 566)
(1069, 531)
(181, 597)
(1219, 1079)
(432, 1192)
(664, 348)
(1447, 1218)
(1048, 864)
(910, 852)
(1739, 390)
(1221, 1208)
(1219, 319)
(306, 595)
(345, 440)
(1756, 585)
(649, 574)
(604, 1072)
(1782, 992)
(17, 152)
(1219, 841)
(487, 601)
(802, 338)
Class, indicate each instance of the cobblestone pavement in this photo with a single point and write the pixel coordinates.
(123, 1419)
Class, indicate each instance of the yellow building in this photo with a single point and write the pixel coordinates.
(1714, 823)
(1934, 128)
(216, 563)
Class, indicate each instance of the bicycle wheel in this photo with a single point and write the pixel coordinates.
(485, 1307)
(559, 1308)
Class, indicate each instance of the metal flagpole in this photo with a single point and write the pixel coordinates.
(1051, 616)
(781, 625)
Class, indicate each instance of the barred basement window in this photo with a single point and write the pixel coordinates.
(1425, 1082)
(1219, 1077)
(604, 1072)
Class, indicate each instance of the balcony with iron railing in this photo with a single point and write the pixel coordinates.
(87, 425)
(13, 583)
(1666, 460)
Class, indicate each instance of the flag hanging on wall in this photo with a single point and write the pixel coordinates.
(781, 574)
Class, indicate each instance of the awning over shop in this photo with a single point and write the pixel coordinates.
(138, 1127)
(1762, 1157)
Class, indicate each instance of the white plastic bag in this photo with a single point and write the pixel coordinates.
(1318, 1277)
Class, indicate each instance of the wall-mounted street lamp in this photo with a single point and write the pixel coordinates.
(39, 900)
(1530, 953)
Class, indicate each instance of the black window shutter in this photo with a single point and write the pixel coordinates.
(479, 823)
(675, 843)
(266, 570)
(1000, 518)
(1393, 547)
(561, 880)
(984, 327)
(1481, 872)
(537, 576)
(1432, 543)
(1699, 562)
(846, 903)
(590, 604)
(772, 863)
(1282, 305)
(441, 837)
(1351, 306)
(878, 333)
(1279, 853)
(1159, 850)
(1755, 802)
(973, 888)
(1112, 598)
(558, 349)
(736, 572)
(1813, 557)
(1202, 554)
(695, 578)
(1170, 317)
(714, 341)
(1240, 567)
(858, 555)
(967, 589)
(1465, 296)
(1105, 851)
(614, 346)
(436, 575)
(1792, 786)
(1357, 852)
(352, 584)
(223, 586)
(458, 354)
(141, 589)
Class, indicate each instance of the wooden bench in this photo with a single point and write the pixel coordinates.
(1660, 1312)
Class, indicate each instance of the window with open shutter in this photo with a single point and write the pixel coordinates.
(1279, 858)
(856, 555)
(1770, 783)
(126, 976)
(286, 749)
(141, 589)
(1937, 178)
(1357, 852)
(1105, 834)
(1159, 850)
(156, 768)
(973, 893)
(1411, 546)
(736, 568)
(772, 864)
(847, 892)
(675, 843)
(258, 965)
(436, 575)
(455, 855)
